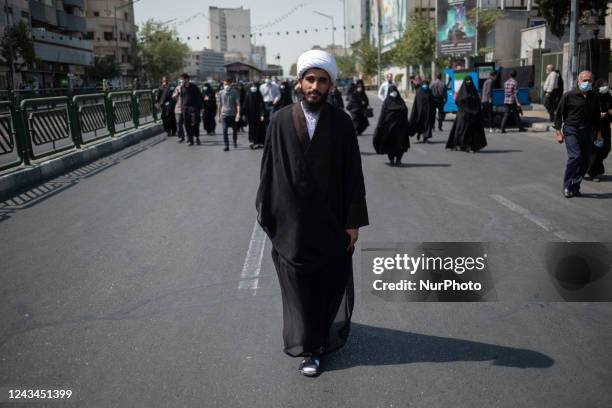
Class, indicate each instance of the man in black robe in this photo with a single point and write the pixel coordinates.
(311, 204)
(467, 133)
(254, 112)
(423, 115)
(391, 134)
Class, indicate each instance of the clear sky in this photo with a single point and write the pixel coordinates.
(262, 12)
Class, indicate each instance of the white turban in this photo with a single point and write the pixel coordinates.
(317, 59)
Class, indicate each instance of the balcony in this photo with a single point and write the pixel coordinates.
(70, 22)
(45, 14)
(75, 3)
(60, 48)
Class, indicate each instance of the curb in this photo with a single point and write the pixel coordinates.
(16, 181)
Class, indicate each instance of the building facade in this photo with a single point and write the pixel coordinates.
(110, 26)
(230, 29)
(57, 28)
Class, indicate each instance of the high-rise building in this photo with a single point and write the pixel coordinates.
(110, 25)
(230, 29)
(57, 28)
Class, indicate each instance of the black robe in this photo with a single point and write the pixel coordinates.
(286, 97)
(357, 106)
(391, 133)
(310, 193)
(335, 98)
(210, 109)
(253, 109)
(423, 114)
(467, 132)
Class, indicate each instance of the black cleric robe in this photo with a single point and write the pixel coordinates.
(310, 192)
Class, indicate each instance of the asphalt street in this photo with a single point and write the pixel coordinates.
(142, 281)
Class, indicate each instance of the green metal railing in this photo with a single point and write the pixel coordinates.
(38, 127)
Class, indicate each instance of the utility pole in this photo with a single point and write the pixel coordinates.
(573, 45)
(332, 29)
(379, 31)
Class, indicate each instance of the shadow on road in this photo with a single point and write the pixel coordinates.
(499, 151)
(406, 165)
(595, 195)
(377, 346)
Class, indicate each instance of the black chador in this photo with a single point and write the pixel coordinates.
(423, 114)
(254, 109)
(311, 191)
(210, 109)
(286, 96)
(357, 106)
(335, 98)
(391, 134)
(467, 133)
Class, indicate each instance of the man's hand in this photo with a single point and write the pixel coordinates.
(354, 234)
(559, 136)
(603, 114)
(237, 117)
(262, 118)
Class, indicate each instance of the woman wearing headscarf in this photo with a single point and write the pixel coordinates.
(423, 115)
(253, 111)
(335, 97)
(210, 109)
(391, 134)
(467, 133)
(357, 106)
(286, 97)
(601, 147)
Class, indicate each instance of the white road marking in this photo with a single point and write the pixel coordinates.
(249, 278)
(536, 219)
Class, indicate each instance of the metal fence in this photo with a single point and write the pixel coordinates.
(35, 128)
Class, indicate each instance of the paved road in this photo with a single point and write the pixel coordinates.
(140, 281)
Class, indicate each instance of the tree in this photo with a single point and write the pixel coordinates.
(418, 44)
(161, 51)
(346, 66)
(366, 55)
(104, 67)
(557, 13)
(16, 43)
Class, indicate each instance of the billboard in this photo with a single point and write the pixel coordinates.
(456, 34)
(392, 18)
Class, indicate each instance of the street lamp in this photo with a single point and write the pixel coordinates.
(332, 23)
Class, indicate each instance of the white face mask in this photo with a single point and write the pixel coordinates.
(267, 81)
(253, 89)
(604, 89)
(226, 87)
(393, 94)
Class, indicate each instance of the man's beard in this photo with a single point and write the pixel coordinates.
(315, 106)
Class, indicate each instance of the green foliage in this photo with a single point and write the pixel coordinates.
(486, 18)
(557, 13)
(366, 55)
(347, 66)
(417, 45)
(105, 67)
(160, 51)
(18, 38)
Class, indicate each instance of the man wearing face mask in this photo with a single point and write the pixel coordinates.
(576, 120)
(253, 111)
(384, 88)
(271, 96)
(192, 101)
(311, 204)
(601, 147)
(229, 111)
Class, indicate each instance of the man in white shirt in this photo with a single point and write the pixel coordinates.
(271, 96)
(550, 91)
(382, 91)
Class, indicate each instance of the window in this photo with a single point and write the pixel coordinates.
(126, 16)
(89, 35)
(108, 36)
(127, 37)
(25, 17)
(9, 15)
(96, 14)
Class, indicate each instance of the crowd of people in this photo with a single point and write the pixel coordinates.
(581, 116)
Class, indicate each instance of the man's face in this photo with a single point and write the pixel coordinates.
(185, 81)
(315, 84)
(165, 81)
(389, 77)
(548, 69)
(585, 77)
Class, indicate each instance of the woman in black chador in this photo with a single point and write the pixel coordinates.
(467, 133)
(253, 111)
(357, 106)
(601, 149)
(423, 115)
(210, 109)
(391, 134)
(286, 96)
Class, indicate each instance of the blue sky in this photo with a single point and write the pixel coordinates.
(262, 12)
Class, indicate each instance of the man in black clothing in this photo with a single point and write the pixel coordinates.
(438, 91)
(576, 120)
(166, 105)
(191, 100)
